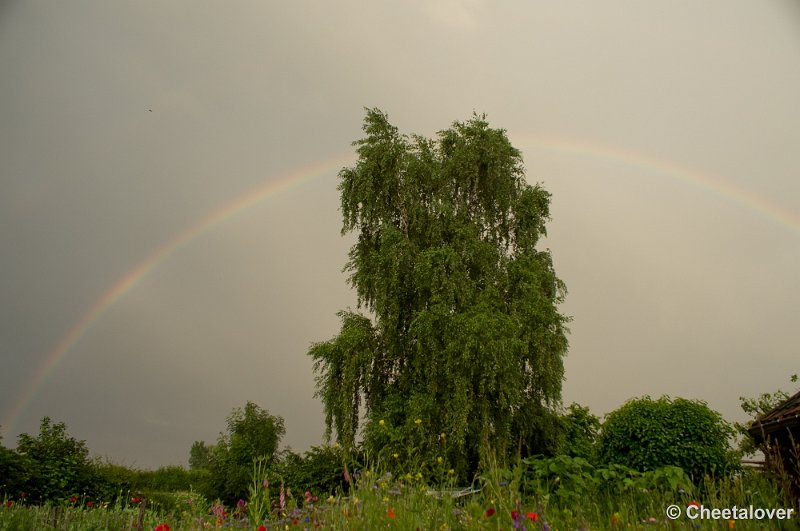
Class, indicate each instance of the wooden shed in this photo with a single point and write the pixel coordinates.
(777, 432)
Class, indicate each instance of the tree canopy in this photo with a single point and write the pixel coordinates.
(457, 348)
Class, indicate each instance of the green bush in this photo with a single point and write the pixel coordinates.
(252, 433)
(646, 434)
(580, 432)
(57, 464)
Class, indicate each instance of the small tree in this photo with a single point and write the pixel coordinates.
(58, 464)
(580, 432)
(646, 434)
(200, 455)
(252, 433)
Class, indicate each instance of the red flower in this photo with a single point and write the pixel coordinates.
(694, 504)
(515, 515)
(390, 513)
(532, 516)
(9, 503)
(490, 512)
(89, 504)
(136, 500)
(73, 499)
(162, 527)
(261, 528)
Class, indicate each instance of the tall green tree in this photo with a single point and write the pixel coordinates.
(460, 349)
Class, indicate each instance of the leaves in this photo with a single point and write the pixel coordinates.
(462, 327)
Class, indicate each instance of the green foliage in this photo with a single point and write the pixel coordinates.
(318, 471)
(646, 434)
(13, 472)
(464, 333)
(580, 432)
(200, 455)
(755, 408)
(57, 464)
(252, 433)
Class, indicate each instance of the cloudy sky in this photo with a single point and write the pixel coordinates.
(169, 222)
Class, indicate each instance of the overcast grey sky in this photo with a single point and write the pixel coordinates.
(667, 132)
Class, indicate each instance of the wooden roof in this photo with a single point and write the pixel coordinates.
(785, 415)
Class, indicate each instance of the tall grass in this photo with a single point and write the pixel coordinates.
(537, 494)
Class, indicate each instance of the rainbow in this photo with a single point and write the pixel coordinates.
(271, 189)
(130, 279)
(703, 181)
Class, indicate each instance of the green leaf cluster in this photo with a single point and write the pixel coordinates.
(252, 433)
(461, 328)
(645, 434)
(56, 464)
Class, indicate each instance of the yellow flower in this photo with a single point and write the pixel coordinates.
(385, 499)
(451, 471)
(382, 422)
(396, 456)
(439, 459)
(419, 475)
(330, 499)
(418, 422)
(441, 435)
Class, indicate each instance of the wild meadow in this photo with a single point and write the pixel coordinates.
(539, 493)
(329, 487)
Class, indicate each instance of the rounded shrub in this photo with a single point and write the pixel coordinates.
(645, 434)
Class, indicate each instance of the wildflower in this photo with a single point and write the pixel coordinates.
(135, 500)
(490, 512)
(89, 504)
(532, 516)
(308, 496)
(390, 513)
(451, 471)
(396, 455)
(346, 476)
(262, 528)
(73, 499)
(330, 498)
(241, 504)
(731, 523)
(418, 422)
(442, 436)
(615, 518)
(439, 460)
(385, 499)
(382, 422)
(9, 503)
(693, 503)
(515, 515)
(265, 483)
(162, 527)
